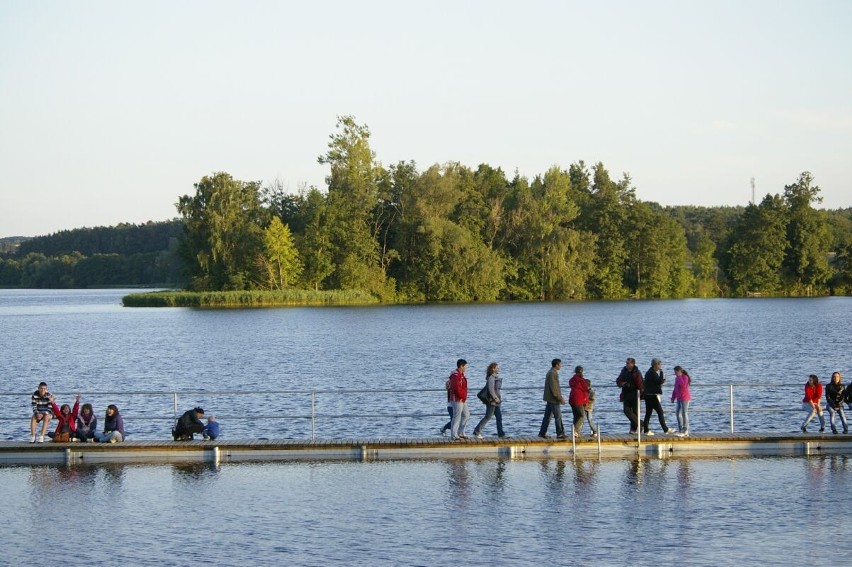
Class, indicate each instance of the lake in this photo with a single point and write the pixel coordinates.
(379, 371)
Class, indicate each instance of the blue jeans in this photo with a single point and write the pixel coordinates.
(553, 409)
(813, 411)
(681, 410)
(839, 410)
(460, 416)
(592, 425)
(492, 410)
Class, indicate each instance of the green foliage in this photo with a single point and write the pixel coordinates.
(757, 253)
(808, 239)
(281, 261)
(222, 233)
(248, 298)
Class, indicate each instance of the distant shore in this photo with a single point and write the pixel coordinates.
(248, 298)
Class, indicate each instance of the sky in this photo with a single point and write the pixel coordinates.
(110, 111)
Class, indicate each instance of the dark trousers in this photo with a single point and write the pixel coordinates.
(491, 411)
(552, 409)
(449, 423)
(631, 410)
(579, 417)
(652, 403)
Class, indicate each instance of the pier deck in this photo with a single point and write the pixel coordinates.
(248, 450)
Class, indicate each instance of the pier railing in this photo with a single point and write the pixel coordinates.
(345, 413)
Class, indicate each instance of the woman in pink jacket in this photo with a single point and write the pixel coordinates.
(681, 398)
(812, 403)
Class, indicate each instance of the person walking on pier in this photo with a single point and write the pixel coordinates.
(681, 398)
(42, 412)
(458, 397)
(835, 394)
(654, 380)
(554, 400)
(630, 382)
(493, 382)
(812, 403)
(578, 398)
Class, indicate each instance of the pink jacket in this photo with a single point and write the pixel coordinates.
(680, 392)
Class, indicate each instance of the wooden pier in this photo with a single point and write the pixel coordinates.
(247, 450)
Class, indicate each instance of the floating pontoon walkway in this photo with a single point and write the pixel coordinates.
(609, 446)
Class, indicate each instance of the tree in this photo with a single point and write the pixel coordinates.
(222, 233)
(607, 219)
(314, 244)
(805, 262)
(281, 261)
(756, 253)
(352, 200)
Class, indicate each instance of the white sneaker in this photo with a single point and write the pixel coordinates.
(649, 433)
(41, 438)
(479, 435)
(679, 434)
(671, 432)
(33, 439)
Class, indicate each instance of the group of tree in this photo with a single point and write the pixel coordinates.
(452, 233)
(124, 255)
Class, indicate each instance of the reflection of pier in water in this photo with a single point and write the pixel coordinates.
(608, 446)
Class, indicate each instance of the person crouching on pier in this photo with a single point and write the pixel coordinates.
(188, 424)
(211, 430)
(812, 403)
(113, 427)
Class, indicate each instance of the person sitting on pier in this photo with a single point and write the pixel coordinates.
(188, 424)
(812, 403)
(66, 429)
(835, 393)
(113, 427)
(211, 430)
(87, 424)
(42, 412)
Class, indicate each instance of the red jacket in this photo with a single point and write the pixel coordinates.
(70, 420)
(813, 393)
(458, 386)
(579, 390)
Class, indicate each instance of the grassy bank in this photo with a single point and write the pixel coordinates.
(254, 298)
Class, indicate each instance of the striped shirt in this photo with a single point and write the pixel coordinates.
(41, 403)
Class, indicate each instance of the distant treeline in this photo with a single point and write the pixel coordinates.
(124, 255)
(452, 233)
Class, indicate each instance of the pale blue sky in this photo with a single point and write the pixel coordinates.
(110, 110)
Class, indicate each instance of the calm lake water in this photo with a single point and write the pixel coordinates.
(380, 371)
(785, 510)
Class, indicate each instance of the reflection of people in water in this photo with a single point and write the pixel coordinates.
(459, 480)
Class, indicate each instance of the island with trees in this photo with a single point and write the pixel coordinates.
(448, 233)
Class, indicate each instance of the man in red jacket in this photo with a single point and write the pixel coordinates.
(458, 397)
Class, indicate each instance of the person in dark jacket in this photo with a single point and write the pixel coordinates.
(835, 394)
(630, 382)
(188, 424)
(654, 380)
(113, 427)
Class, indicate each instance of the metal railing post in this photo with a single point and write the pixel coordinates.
(638, 422)
(175, 405)
(313, 414)
(732, 406)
